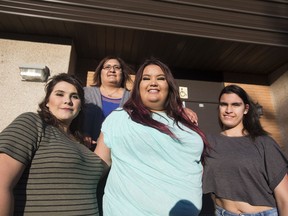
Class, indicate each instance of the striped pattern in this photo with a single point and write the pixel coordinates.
(61, 175)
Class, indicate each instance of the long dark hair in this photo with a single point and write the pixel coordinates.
(126, 71)
(173, 105)
(49, 118)
(251, 120)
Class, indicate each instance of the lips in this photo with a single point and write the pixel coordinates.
(153, 90)
(227, 117)
(67, 109)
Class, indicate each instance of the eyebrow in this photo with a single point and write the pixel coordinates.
(156, 75)
(112, 65)
(62, 91)
(234, 103)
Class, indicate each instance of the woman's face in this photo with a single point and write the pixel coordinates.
(64, 102)
(111, 72)
(232, 110)
(153, 88)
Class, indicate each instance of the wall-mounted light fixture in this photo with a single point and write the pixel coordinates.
(259, 109)
(35, 73)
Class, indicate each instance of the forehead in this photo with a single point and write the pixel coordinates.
(112, 62)
(231, 97)
(64, 86)
(153, 70)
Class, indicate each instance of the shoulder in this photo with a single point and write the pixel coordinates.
(30, 121)
(266, 141)
(264, 138)
(116, 116)
(89, 89)
(117, 113)
(29, 117)
(115, 120)
(212, 137)
(127, 92)
(92, 95)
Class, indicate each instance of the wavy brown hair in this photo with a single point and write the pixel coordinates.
(173, 105)
(126, 71)
(49, 118)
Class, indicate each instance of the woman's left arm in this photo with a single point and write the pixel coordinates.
(281, 195)
(103, 151)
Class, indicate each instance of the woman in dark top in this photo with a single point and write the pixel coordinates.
(107, 93)
(245, 170)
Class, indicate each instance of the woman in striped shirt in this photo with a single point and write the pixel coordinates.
(45, 169)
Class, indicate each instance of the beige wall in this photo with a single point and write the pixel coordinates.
(279, 91)
(18, 96)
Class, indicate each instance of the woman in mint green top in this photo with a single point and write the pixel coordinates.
(154, 150)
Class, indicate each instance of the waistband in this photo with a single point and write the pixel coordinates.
(222, 212)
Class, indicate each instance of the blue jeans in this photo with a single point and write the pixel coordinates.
(222, 212)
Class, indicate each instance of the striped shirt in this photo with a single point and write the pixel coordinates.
(61, 175)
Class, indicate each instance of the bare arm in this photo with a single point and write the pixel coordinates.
(103, 151)
(281, 195)
(10, 172)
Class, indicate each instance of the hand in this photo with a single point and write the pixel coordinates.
(191, 115)
(89, 142)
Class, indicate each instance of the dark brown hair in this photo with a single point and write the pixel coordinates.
(173, 105)
(49, 118)
(251, 120)
(126, 71)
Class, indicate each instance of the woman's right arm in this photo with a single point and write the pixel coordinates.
(103, 151)
(281, 195)
(10, 172)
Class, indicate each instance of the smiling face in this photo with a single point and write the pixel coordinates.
(111, 72)
(153, 88)
(231, 111)
(64, 102)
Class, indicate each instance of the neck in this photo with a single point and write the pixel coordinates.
(64, 128)
(111, 85)
(234, 132)
(110, 91)
(157, 110)
(67, 132)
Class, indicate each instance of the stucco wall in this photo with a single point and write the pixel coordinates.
(279, 91)
(18, 96)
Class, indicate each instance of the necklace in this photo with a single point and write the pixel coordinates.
(111, 93)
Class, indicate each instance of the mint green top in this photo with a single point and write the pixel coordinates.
(151, 173)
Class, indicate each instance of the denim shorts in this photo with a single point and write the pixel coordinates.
(222, 212)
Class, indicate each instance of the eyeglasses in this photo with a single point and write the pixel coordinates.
(109, 67)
